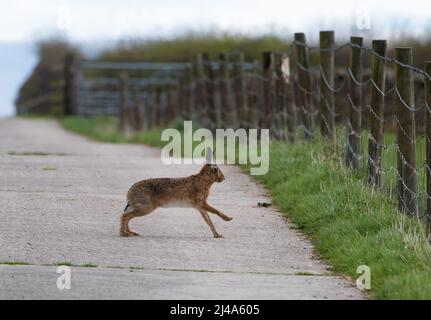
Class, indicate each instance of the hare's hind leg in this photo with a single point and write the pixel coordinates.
(137, 211)
(124, 226)
(209, 223)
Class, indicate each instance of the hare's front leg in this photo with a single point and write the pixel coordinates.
(207, 207)
(209, 223)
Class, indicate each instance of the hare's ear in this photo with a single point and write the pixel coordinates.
(208, 155)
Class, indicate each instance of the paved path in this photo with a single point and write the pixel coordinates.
(61, 199)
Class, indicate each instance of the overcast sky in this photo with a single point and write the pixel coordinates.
(24, 20)
(99, 21)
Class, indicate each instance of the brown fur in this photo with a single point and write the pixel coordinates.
(147, 195)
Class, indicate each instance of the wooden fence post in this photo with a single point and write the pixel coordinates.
(180, 94)
(268, 98)
(280, 94)
(239, 89)
(136, 116)
(195, 99)
(140, 110)
(304, 85)
(406, 133)
(375, 142)
(189, 91)
(157, 105)
(201, 91)
(168, 107)
(69, 107)
(213, 112)
(327, 118)
(297, 95)
(227, 112)
(153, 105)
(253, 102)
(355, 105)
(290, 99)
(124, 97)
(174, 101)
(428, 140)
(148, 110)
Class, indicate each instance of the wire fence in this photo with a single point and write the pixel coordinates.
(381, 114)
(389, 145)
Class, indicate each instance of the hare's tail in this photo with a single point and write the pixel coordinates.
(128, 205)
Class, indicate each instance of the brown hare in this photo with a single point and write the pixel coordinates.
(147, 195)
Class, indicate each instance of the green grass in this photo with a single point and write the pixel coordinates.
(71, 264)
(34, 153)
(349, 224)
(136, 268)
(89, 265)
(105, 129)
(64, 263)
(15, 263)
(389, 166)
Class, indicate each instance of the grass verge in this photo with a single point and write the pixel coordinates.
(105, 129)
(349, 224)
